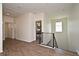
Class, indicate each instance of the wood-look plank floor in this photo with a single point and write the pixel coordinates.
(14, 47)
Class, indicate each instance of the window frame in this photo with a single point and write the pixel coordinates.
(60, 24)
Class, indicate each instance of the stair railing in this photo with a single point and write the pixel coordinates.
(53, 39)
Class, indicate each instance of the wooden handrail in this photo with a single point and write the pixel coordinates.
(47, 32)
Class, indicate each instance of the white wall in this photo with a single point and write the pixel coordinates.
(46, 23)
(74, 28)
(1, 43)
(22, 28)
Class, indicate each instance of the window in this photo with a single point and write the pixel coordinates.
(58, 26)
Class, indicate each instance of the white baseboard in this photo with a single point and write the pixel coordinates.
(25, 40)
(46, 46)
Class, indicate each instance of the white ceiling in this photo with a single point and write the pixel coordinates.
(16, 9)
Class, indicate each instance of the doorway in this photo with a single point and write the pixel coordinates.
(9, 30)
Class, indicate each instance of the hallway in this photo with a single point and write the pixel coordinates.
(14, 47)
